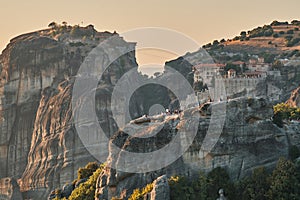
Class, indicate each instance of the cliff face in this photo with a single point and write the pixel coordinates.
(38, 141)
(249, 139)
(39, 144)
(29, 65)
(294, 100)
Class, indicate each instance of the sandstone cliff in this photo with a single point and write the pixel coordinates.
(38, 142)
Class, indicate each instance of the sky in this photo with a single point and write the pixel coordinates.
(201, 20)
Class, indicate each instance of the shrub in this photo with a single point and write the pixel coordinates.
(261, 31)
(281, 32)
(277, 23)
(275, 35)
(215, 42)
(87, 171)
(290, 32)
(86, 190)
(296, 22)
(283, 111)
(236, 38)
(283, 182)
(293, 42)
(138, 194)
(216, 179)
(288, 37)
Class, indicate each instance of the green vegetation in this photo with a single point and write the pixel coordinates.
(255, 186)
(86, 189)
(237, 68)
(277, 23)
(204, 187)
(283, 112)
(296, 22)
(87, 171)
(293, 42)
(138, 194)
(290, 32)
(266, 31)
(282, 183)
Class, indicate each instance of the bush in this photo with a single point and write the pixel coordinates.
(281, 32)
(275, 35)
(296, 22)
(184, 189)
(293, 42)
(283, 111)
(288, 37)
(215, 42)
(87, 171)
(261, 31)
(216, 179)
(290, 32)
(283, 182)
(277, 23)
(86, 190)
(255, 186)
(138, 194)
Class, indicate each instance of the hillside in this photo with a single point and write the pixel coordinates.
(278, 38)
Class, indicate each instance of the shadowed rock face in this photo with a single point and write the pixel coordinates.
(38, 141)
(249, 139)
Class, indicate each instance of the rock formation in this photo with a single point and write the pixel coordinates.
(38, 142)
(249, 139)
(39, 145)
(294, 100)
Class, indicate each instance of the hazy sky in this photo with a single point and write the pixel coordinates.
(202, 20)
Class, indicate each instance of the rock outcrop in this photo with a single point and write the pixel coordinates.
(249, 139)
(294, 100)
(9, 189)
(38, 141)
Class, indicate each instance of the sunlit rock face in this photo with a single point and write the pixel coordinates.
(294, 100)
(38, 140)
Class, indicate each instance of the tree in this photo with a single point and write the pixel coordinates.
(216, 179)
(215, 42)
(243, 34)
(86, 190)
(283, 181)
(254, 187)
(64, 23)
(88, 170)
(52, 25)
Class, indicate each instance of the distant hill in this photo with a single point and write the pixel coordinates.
(279, 38)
